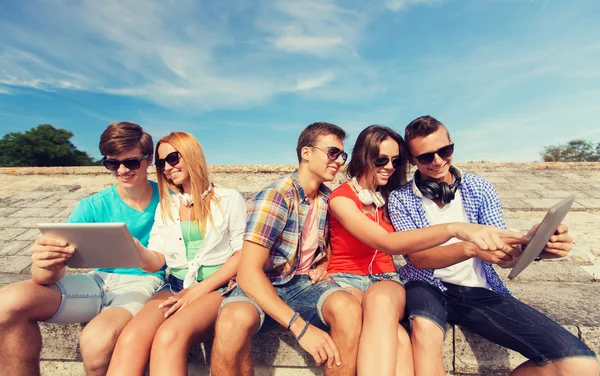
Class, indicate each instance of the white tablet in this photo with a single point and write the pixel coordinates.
(97, 245)
(549, 224)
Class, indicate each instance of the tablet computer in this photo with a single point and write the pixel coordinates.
(97, 245)
(536, 245)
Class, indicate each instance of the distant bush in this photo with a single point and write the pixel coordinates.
(41, 146)
(573, 151)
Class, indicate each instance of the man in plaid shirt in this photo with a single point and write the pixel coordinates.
(456, 282)
(283, 270)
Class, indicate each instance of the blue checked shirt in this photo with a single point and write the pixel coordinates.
(275, 221)
(482, 205)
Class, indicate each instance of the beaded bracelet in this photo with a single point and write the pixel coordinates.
(303, 331)
(296, 314)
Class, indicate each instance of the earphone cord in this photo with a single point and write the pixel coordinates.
(374, 254)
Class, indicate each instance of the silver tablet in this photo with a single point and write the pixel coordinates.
(549, 224)
(97, 245)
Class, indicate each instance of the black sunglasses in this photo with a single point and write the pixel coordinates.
(129, 163)
(383, 161)
(172, 159)
(332, 152)
(444, 153)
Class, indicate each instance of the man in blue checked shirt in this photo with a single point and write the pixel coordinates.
(283, 270)
(455, 282)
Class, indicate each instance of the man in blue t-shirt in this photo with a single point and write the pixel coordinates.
(107, 298)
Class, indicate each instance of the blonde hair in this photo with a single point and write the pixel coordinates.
(191, 151)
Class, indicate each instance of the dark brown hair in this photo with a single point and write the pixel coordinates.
(309, 135)
(366, 150)
(421, 127)
(122, 137)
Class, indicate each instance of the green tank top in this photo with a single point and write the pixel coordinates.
(192, 239)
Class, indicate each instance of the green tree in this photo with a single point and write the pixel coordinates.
(41, 146)
(573, 151)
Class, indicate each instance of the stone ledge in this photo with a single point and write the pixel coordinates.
(465, 353)
(285, 168)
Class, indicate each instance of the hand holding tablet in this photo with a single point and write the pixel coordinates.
(97, 245)
(542, 235)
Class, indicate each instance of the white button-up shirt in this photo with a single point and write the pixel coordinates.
(219, 243)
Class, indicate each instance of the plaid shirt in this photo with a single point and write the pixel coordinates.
(275, 221)
(482, 205)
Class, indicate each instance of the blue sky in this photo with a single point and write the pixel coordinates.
(507, 77)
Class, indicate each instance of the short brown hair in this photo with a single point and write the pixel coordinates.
(309, 135)
(122, 137)
(421, 127)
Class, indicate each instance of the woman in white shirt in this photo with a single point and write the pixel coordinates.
(197, 232)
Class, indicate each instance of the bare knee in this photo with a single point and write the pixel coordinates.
(237, 323)
(342, 310)
(97, 344)
(128, 338)
(12, 304)
(18, 300)
(426, 334)
(383, 300)
(168, 336)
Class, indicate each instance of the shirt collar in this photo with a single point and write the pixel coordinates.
(416, 190)
(323, 193)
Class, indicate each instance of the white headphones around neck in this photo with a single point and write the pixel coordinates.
(367, 197)
(188, 200)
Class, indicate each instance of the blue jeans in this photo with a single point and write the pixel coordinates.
(300, 294)
(362, 282)
(499, 318)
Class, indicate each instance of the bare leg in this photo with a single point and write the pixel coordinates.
(383, 307)
(23, 305)
(570, 366)
(427, 340)
(343, 314)
(132, 351)
(236, 324)
(404, 359)
(195, 323)
(99, 337)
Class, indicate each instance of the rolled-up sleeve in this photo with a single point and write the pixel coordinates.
(237, 222)
(267, 217)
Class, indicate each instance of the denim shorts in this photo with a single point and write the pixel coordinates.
(84, 296)
(362, 282)
(499, 318)
(175, 285)
(300, 294)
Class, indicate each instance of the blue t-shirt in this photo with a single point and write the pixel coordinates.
(108, 206)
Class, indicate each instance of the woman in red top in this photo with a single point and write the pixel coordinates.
(362, 239)
(378, 166)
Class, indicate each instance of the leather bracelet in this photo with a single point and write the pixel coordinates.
(296, 314)
(303, 331)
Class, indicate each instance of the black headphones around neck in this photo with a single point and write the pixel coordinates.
(439, 191)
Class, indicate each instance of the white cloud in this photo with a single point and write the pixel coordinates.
(397, 5)
(311, 83)
(190, 56)
(320, 46)
(312, 27)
